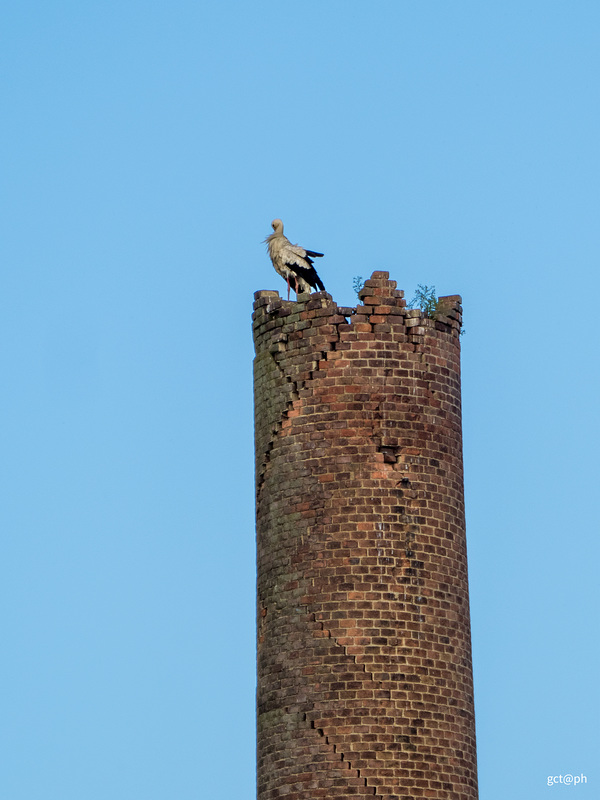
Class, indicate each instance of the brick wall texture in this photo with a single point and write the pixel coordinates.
(364, 654)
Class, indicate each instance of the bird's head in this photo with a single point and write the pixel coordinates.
(277, 226)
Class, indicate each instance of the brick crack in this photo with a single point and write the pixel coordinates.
(336, 748)
(297, 386)
(343, 759)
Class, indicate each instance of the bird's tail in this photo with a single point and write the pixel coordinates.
(319, 282)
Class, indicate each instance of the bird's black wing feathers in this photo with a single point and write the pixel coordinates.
(309, 274)
(313, 254)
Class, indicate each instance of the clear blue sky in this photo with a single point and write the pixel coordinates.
(145, 148)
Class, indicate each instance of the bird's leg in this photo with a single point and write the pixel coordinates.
(288, 283)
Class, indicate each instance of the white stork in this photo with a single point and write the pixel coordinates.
(292, 262)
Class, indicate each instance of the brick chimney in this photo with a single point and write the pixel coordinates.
(364, 654)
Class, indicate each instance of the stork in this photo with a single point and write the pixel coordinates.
(293, 262)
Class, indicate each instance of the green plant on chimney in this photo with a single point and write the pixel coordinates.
(357, 284)
(429, 304)
(427, 301)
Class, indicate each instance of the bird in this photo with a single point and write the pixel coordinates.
(292, 262)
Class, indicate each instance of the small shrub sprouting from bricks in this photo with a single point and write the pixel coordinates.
(357, 283)
(426, 299)
(429, 304)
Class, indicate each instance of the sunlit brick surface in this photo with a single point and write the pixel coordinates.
(364, 656)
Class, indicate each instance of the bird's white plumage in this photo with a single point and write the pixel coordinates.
(291, 261)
